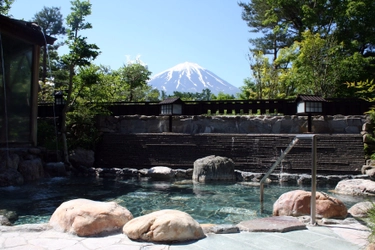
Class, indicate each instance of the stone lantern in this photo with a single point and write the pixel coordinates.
(171, 106)
(309, 105)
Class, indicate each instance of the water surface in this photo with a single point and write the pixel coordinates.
(225, 203)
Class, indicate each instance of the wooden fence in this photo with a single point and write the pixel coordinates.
(238, 107)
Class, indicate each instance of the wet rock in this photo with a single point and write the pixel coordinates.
(288, 178)
(181, 174)
(89, 218)
(4, 221)
(82, 158)
(356, 187)
(220, 229)
(361, 209)
(304, 179)
(9, 215)
(10, 177)
(214, 168)
(248, 176)
(31, 170)
(297, 203)
(164, 226)
(161, 173)
(10, 162)
(56, 169)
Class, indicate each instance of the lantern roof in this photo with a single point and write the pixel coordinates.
(172, 100)
(310, 98)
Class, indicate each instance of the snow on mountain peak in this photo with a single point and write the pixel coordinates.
(190, 77)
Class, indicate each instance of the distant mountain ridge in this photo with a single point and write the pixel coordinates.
(190, 77)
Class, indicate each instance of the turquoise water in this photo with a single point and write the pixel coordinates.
(227, 203)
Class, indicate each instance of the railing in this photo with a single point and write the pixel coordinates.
(237, 107)
(311, 137)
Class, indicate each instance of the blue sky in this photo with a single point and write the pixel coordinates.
(163, 33)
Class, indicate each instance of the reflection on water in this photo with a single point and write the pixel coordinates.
(227, 203)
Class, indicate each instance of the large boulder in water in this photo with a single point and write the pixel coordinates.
(297, 203)
(214, 168)
(164, 226)
(88, 218)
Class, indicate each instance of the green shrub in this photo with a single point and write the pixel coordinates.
(47, 134)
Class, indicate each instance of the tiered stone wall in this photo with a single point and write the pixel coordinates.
(250, 152)
(253, 142)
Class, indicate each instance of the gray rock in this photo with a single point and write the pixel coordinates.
(214, 168)
(371, 173)
(161, 173)
(82, 157)
(56, 169)
(356, 187)
(9, 215)
(10, 177)
(4, 221)
(31, 170)
(361, 209)
(221, 229)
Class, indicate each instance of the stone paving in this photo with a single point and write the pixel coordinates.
(351, 236)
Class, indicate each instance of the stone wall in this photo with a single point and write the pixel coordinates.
(336, 153)
(253, 142)
(261, 124)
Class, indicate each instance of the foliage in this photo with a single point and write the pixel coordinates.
(133, 77)
(47, 134)
(223, 96)
(50, 20)
(364, 90)
(315, 66)
(205, 95)
(5, 6)
(309, 47)
(80, 54)
(81, 125)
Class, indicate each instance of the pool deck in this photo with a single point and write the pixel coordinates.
(337, 236)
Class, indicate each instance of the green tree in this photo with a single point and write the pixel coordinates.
(316, 65)
(248, 90)
(315, 46)
(5, 6)
(223, 96)
(50, 20)
(80, 54)
(266, 78)
(356, 26)
(135, 77)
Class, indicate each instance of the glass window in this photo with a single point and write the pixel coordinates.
(15, 89)
(313, 107)
(166, 109)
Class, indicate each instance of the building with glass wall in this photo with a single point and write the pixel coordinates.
(20, 44)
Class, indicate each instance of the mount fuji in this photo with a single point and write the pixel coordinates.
(190, 77)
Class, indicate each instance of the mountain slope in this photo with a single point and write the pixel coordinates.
(190, 77)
